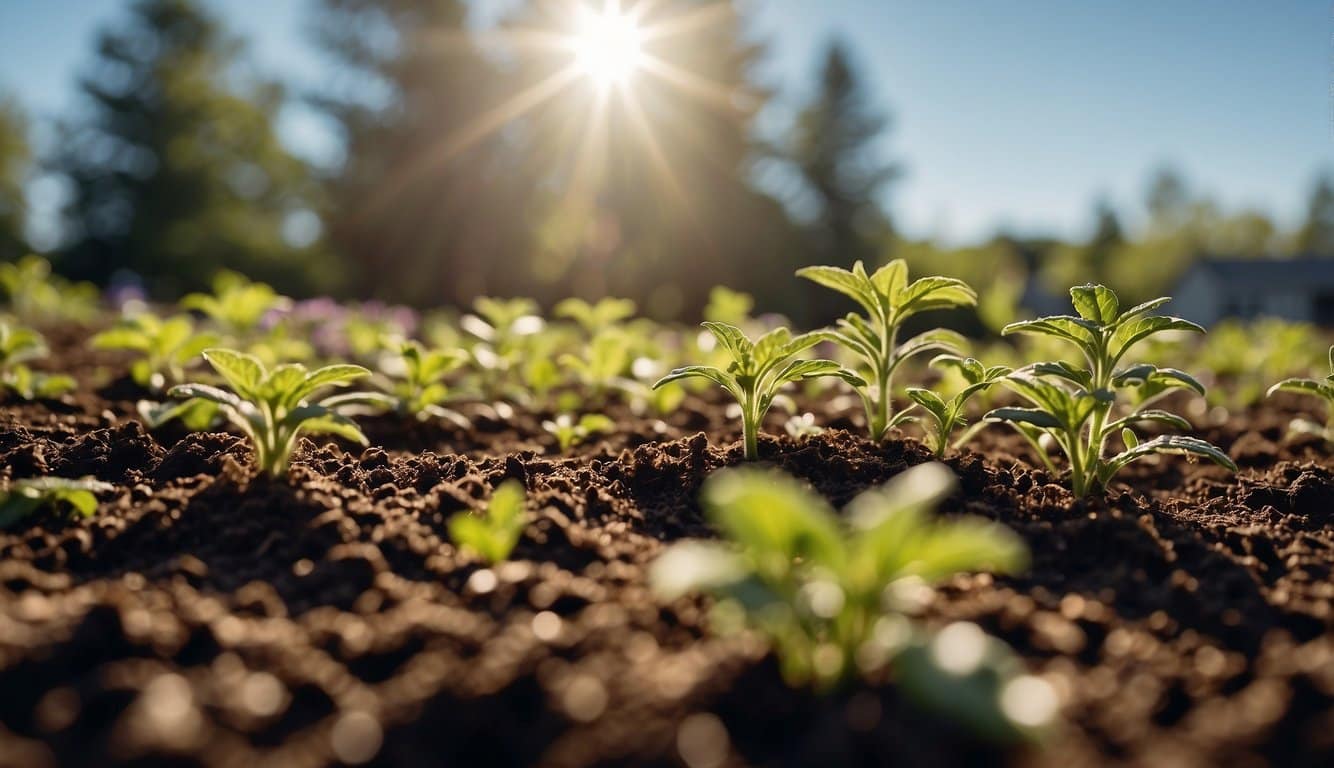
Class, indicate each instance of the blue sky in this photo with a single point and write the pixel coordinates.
(1014, 114)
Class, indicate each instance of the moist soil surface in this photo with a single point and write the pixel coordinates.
(207, 617)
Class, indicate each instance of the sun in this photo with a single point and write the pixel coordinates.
(608, 44)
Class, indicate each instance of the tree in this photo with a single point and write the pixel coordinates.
(1316, 235)
(14, 162)
(514, 173)
(175, 166)
(418, 212)
(833, 148)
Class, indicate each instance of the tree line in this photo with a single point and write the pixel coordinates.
(447, 190)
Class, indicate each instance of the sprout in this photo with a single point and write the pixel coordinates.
(757, 372)
(888, 299)
(569, 432)
(492, 536)
(236, 305)
(1072, 404)
(948, 415)
(1321, 388)
(827, 589)
(165, 347)
(25, 497)
(19, 345)
(274, 407)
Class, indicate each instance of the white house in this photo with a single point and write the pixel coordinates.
(1299, 289)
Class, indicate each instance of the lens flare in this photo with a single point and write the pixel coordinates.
(608, 45)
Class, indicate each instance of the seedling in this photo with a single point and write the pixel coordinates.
(598, 316)
(888, 299)
(166, 347)
(415, 382)
(236, 304)
(195, 414)
(19, 345)
(570, 432)
(492, 536)
(274, 407)
(1322, 388)
(945, 416)
(757, 372)
(830, 591)
(502, 327)
(1073, 404)
(33, 292)
(25, 497)
(600, 364)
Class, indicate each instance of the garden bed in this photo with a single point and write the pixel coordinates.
(209, 617)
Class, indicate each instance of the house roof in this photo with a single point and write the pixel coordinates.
(1302, 272)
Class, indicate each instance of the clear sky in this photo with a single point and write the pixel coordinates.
(1013, 114)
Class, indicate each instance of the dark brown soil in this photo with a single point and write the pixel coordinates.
(207, 618)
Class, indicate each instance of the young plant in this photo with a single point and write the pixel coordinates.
(1321, 388)
(888, 300)
(597, 316)
(19, 345)
(25, 497)
(415, 385)
(274, 407)
(946, 416)
(1072, 404)
(33, 292)
(758, 370)
(830, 591)
(166, 347)
(599, 365)
(236, 304)
(492, 536)
(569, 432)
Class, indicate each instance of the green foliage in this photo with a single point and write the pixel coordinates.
(948, 415)
(828, 591)
(504, 329)
(237, 304)
(1321, 388)
(166, 347)
(34, 293)
(492, 536)
(198, 180)
(600, 364)
(195, 414)
(597, 316)
(415, 382)
(274, 407)
(888, 299)
(1244, 358)
(19, 345)
(1072, 404)
(570, 432)
(757, 371)
(24, 497)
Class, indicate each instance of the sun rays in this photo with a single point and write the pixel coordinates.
(584, 61)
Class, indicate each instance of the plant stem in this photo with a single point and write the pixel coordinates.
(750, 428)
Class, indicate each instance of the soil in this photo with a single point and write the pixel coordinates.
(205, 617)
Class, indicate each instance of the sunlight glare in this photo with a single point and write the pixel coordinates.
(608, 44)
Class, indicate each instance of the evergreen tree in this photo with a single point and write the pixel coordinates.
(419, 213)
(1316, 236)
(14, 162)
(176, 169)
(833, 148)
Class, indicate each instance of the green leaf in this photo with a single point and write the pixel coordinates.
(731, 337)
(242, 372)
(329, 375)
(937, 340)
(1140, 309)
(809, 369)
(1036, 417)
(493, 535)
(1171, 444)
(319, 420)
(1303, 387)
(698, 371)
(847, 283)
(208, 392)
(1130, 333)
(1096, 303)
(1161, 417)
(1062, 369)
(693, 566)
(934, 293)
(773, 517)
(890, 279)
(928, 400)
